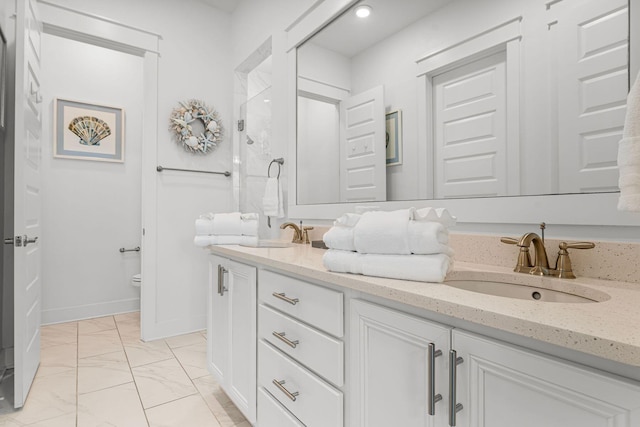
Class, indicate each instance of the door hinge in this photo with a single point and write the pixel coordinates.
(240, 125)
(17, 241)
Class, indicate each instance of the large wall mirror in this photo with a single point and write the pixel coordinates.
(460, 99)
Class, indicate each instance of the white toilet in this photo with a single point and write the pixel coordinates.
(136, 280)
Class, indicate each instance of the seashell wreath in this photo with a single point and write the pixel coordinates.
(187, 113)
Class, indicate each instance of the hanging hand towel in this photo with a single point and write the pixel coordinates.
(629, 153)
(272, 203)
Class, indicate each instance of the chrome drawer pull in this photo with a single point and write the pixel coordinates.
(283, 297)
(433, 397)
(281, 337)
(280, 385)
(454, 407)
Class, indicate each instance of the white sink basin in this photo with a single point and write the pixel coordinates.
(270, 244)
(513, 290)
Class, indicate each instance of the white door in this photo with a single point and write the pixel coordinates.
(27, 199)
(470, 130)
(390, 357)
(592, 88)
(500, 385)
(363, 172)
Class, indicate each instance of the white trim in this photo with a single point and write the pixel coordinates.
(88, 311)
(319, 15)
(315, 88)
(70, 23)
(465, 49)
(634, 38)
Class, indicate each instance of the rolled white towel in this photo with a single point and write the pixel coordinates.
(348, 220)
(249, 227)
(202, 241)
(339, 238)
(426, 237)
(380, 232)
(440, 215)
(204, 226)
(227, 224)
(422, 268)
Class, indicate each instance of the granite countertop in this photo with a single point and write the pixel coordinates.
(609, 328)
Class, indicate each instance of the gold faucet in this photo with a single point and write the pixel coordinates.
(297, 233)
(562, 269)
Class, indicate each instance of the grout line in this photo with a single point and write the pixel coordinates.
(135, 384)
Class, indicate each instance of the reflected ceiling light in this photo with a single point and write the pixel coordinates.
(363, 11)
(267, 100)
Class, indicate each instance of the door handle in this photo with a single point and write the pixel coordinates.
(431, 372)
(26, 240)
(221, 288)
(454, 406)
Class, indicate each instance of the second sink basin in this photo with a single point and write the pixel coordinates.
(512, 290)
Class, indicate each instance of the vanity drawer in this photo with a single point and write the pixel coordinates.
(272, 414)
(311, 400)
(315, 305)
(312, 348)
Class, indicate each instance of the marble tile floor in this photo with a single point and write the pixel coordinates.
(97, 372)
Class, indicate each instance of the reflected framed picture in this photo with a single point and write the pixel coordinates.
(394, 138)
(85, 131)
(3, 79)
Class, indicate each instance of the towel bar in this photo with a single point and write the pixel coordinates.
(136, 249)
(162, 168)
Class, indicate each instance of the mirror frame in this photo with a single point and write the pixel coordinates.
(570, 209)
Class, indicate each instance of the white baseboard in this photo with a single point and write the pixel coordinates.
(68, 314)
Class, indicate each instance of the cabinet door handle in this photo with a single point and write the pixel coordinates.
(287, 341)
(283, 297)
(221, 272)
(431, 369)
(280, 385)
(454, 407)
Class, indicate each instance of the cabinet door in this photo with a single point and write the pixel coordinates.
(231, 348)
(217, 319)
(390, 356)
(500, 385)
(240, 381)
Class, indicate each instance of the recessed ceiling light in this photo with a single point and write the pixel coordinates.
(363, 11)
(267, 100)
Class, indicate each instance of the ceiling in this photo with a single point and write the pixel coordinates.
(349, 35)
(225, 5)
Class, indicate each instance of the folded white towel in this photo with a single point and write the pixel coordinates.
(339, 238)
(629, 153)
(227, 224)
(204, 241)
(381, 232)
(249, 216)
(424, 238)
(362, 209)
(249, 227)
(204, 226)
(440, 215)
(423, 268)
(272, 203)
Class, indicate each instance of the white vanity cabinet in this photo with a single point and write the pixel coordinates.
(300, 353)
(398, 368)
(231, 338)
(501, 385)
(495, 384)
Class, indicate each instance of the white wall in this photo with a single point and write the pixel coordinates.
(90, 209)
(195, 62)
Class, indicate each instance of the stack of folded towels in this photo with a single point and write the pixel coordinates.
(233, 228)
(409, 244)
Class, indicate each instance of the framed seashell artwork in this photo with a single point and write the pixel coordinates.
(88, 131)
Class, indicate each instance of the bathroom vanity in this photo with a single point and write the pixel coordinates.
(295, 345)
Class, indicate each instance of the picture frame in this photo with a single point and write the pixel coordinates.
(394, 137)
(3, 79)
(84, 131)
